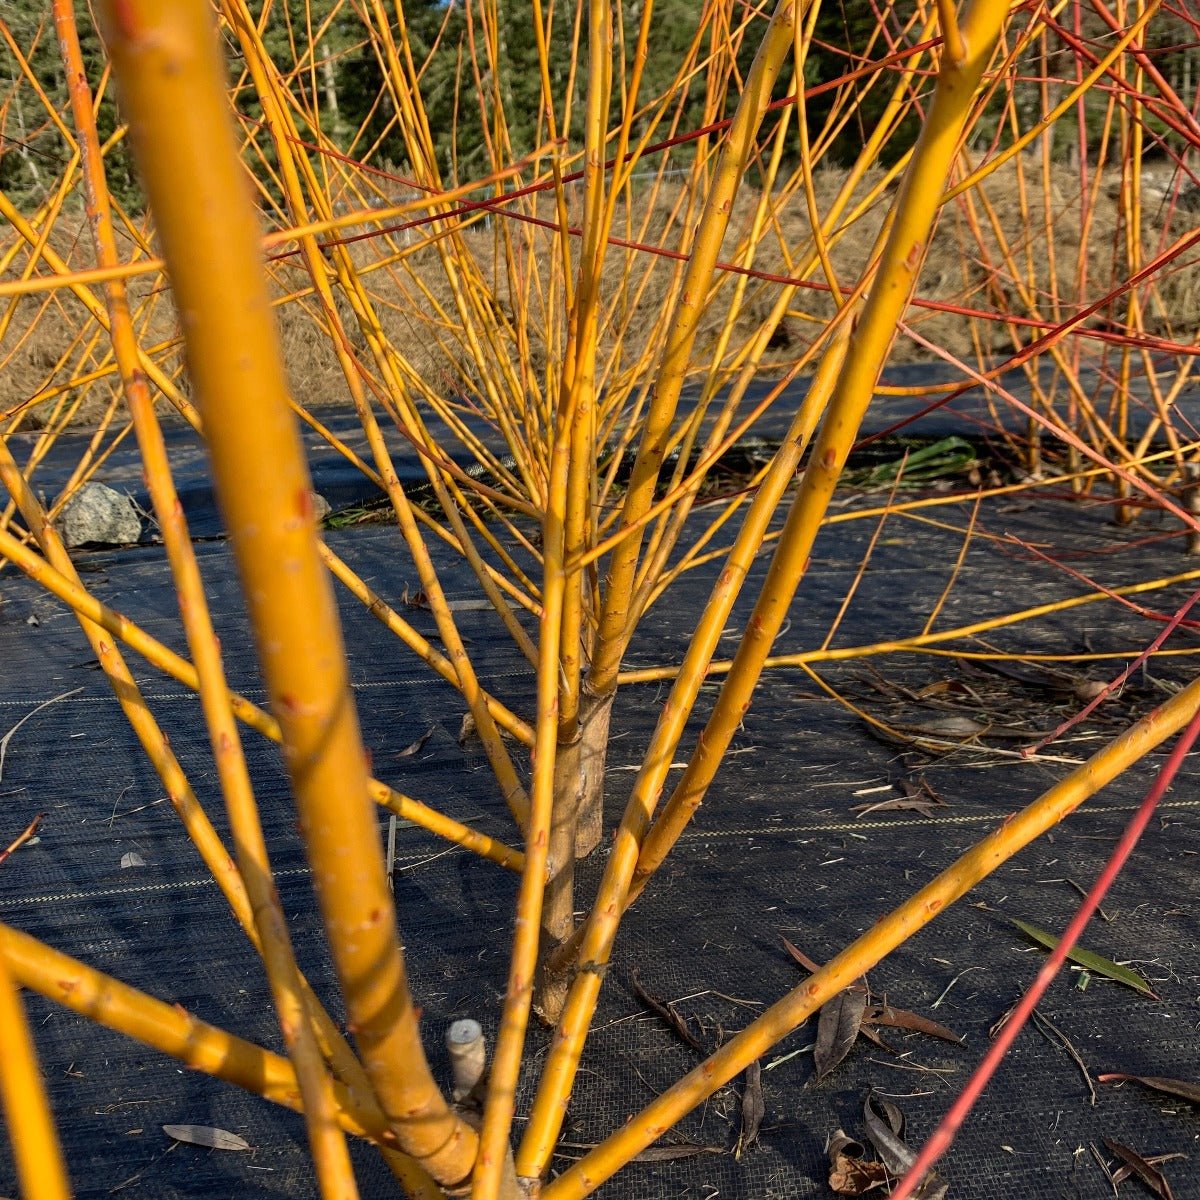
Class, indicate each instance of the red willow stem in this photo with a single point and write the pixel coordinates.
(943, 1136)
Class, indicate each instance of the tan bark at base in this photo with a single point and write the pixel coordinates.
(558, 907)
(593, 754)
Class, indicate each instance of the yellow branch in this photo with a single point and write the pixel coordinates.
(171, 79)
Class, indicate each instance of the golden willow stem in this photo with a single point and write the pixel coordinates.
(855, 376)
(921, 642)
(915, 211)
(171, 79)
(178, 668)
(491, 1179)
(735, 155)
(558, 1075)
(679, 500)
(37, 1154)
(580, 783)
(195, 821)
(291, 166)
(168, 1028)
(1076, 93)
(175, 1032)
(673, 518)
(158, 750)
(592, 943)
(429, 654)
(374, 604)
(862, 955)
(75, 282)
(328, 1144)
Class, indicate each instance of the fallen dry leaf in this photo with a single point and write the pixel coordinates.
(1027, 673)
(951, 726)
(417, 746)
(667, 1012)
(417, 599)
(899, 1018)
(850, 1174)
(807, 963)
(877, 1014)
(753, 1108)
(205, 1135)
(838, 1027)
(1055, 1036)
(670, 1153)
(1149, 1175)
(1155, 1160)
(466, 731)
(885, 1128)
(1172, 1087)
(917, 804)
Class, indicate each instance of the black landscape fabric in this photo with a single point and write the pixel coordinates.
(777, 851)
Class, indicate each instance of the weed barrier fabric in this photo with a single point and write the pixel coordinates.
(776, 851)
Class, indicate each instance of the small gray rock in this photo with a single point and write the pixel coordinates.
(321, 507)
(99, 516)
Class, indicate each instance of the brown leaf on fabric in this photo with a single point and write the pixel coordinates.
(950, 726)
(1029, 674)
(205, 1135)
(1171, 1087)
(838, 1027)
(939, 687)
(916, 797)
(1002, 1019)
(850, 1174)
(897, 804)
(671, 1153)
(914, 790)
(466, 731)
(899, 1018)
(753, 1108)
(865, 1031)
(887, 687)
(1102, 1163)
(885, 1128)
(1155, 1160)
(1055, 1036)
(1149, 1175)
(807, 963)
(417, 746)
(666, 1012)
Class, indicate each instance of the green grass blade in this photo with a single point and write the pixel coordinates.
(1085, 958)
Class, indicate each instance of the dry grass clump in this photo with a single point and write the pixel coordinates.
(993, 256)
(56, 362)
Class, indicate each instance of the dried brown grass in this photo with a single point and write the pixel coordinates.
(52, 342)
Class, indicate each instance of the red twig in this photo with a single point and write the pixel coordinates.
(1094, 703)
(22, 838)
(944, 1135)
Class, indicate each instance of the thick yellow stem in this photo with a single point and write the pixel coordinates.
(36, 1152)
(328, 1144)
(915, 211)
(170, 75)
(685, 321)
